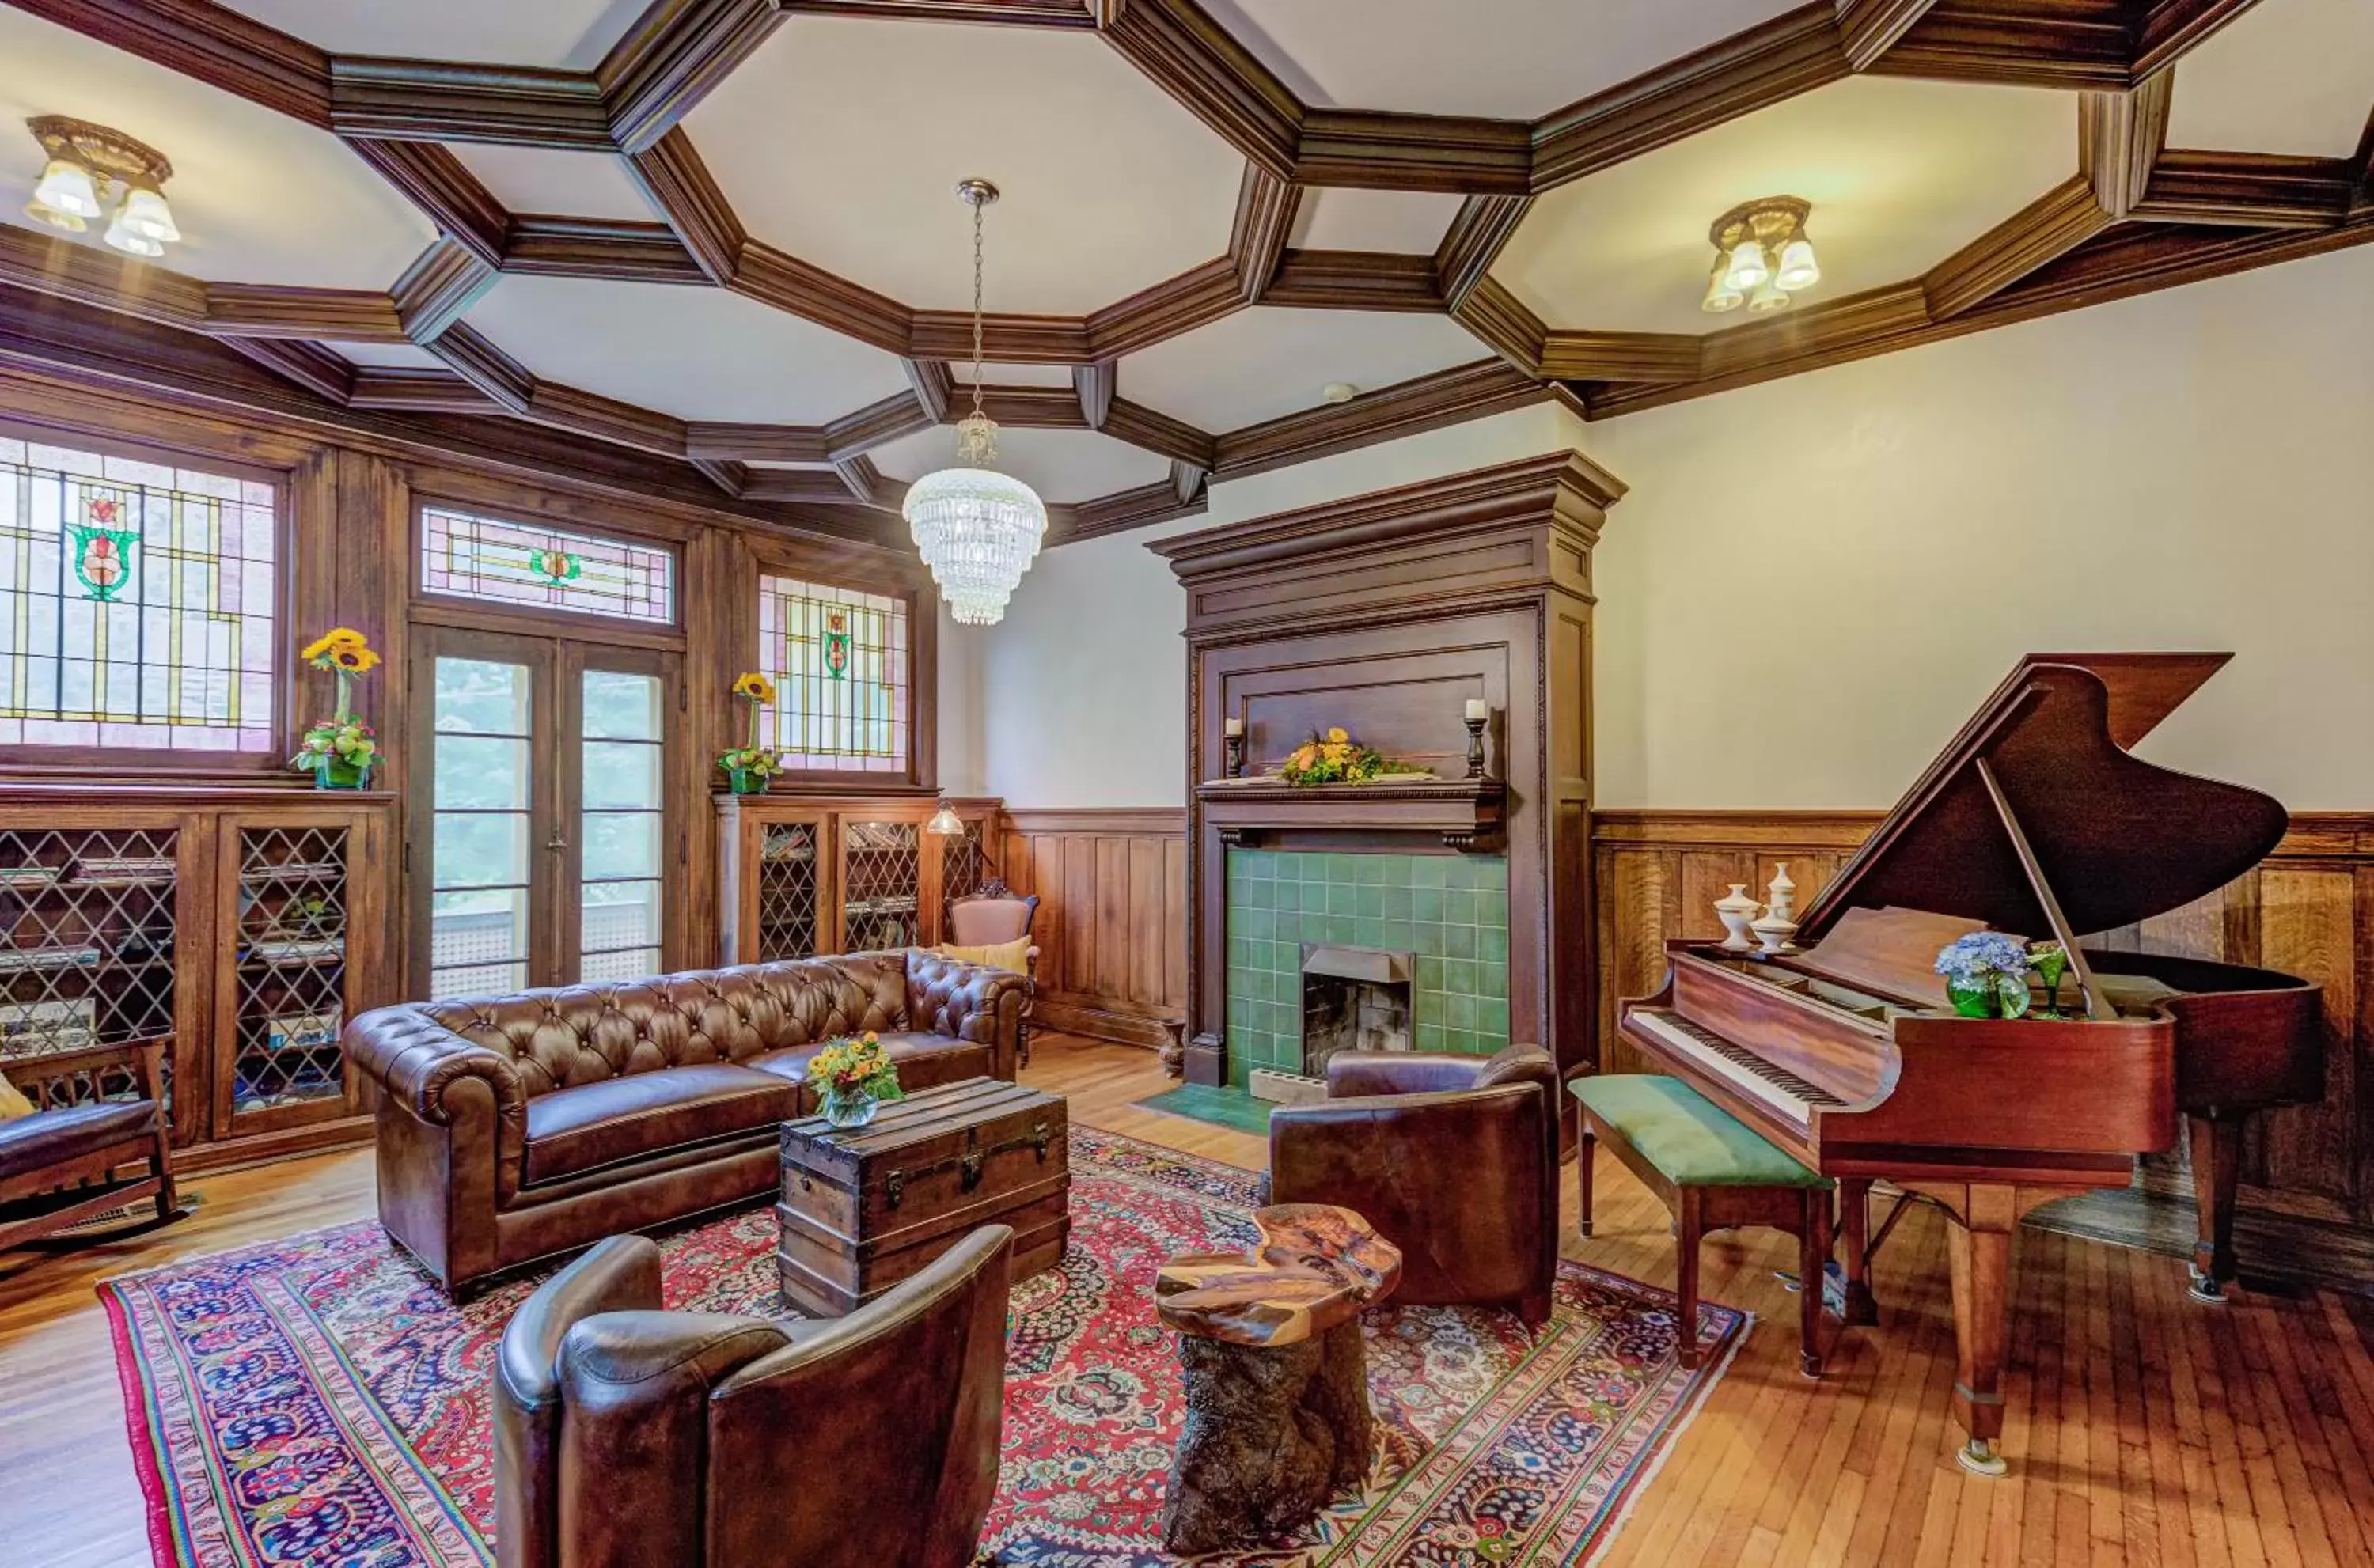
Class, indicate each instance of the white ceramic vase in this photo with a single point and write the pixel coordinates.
(1774, 932)
(1737, 913)
(1780, 896)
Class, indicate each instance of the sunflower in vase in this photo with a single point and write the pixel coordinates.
(341, 749)
(747, 767)
(1334, 758)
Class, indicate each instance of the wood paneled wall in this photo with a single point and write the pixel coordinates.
(2308, 910)
(1112, 916)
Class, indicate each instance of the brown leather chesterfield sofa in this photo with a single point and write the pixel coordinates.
(1453, 1158)
(629, 1437)
(517, 1127)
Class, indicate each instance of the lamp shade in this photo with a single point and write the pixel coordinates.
(145, 214)
(1766, 299)
(121, 237)
(66, 187)
(1798, 267)
(1748, 268)
(945, 823)
(1720, 295)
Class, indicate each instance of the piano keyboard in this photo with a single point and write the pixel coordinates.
(1782, 1092)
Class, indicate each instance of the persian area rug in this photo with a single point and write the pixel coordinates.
(317, 1401)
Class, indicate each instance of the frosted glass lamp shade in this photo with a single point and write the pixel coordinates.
(121, 236)
(1798, 268)
(145, 214)
(1749, 267)
(1766, 299)
(978, 530)
(1720, 295)
(945, 823)
(66, 187)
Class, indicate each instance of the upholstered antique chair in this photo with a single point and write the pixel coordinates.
(1453, 1158)
(629, 1437)
(990, 918)
(97, 1138)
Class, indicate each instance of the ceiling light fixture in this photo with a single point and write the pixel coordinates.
(1339, 391)
(84, 164)
(977, 529)
(1762, 256)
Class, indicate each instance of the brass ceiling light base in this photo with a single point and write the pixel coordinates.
(1768, 220)
(976, 193)
(101, 149)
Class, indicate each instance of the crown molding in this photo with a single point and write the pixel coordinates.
(1189, 481)
(336, 315)
(613, 249)
(1034, 408)
(1009, 338)
(1266, 206)
(2169, 29)
(1869, 28)
(440, 185)
(2053, 225)
(674, 55)
(1219, 80)
(209, 43)
(807, 486)
(2040, 43)
(2120, 136)
(1095, 385)
(1504, 325)
(712, 441)
(1006, 13)
(1158, 433)
(452, 100)
(1378, 151)
(439, 288)
(1125, 509)
(309, 365)
(1481, 227)
(934, 385)
(788, 284)
(1175, 305)
(673, 176)
(466, 351)
(2249, 188)
(419, 390)
(46, 264)
(876, 425)
(1621, 356)
(1407, 408)
(1355, 280)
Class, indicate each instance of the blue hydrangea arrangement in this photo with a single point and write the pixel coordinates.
(1986, 975)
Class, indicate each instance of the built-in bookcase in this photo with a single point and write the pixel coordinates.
(804, 876)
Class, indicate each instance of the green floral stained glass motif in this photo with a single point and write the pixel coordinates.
(526, 563)
(556, 565)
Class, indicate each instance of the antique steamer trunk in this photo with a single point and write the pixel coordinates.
(863, 1208)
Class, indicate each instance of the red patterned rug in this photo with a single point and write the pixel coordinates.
(317, 1401)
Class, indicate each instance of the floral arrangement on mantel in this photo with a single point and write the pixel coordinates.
(1335, 757)
(1987, 975)
(853, 1078)
(339, 751)
(749, 767)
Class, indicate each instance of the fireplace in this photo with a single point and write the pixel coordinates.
(1354, 999)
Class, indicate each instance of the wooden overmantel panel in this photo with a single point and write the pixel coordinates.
(1385, 614)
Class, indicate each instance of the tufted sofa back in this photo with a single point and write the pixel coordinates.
(566, 1036)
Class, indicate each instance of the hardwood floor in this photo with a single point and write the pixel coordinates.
(2141, 1428)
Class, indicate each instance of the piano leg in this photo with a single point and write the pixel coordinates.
(1979, 1245)
(2216, 1150)
(1854, 1216)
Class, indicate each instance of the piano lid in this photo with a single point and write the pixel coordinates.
(2114, 839)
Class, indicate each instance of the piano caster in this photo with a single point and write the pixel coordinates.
(2206, 1288)
(1978, 1457)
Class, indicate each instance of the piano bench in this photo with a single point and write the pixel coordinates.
(1713, 1172)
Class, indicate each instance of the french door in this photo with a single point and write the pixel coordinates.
(544, 853)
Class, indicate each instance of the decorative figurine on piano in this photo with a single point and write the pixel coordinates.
(1852, 1058)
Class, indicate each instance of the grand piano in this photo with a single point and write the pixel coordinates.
(1846, 1052)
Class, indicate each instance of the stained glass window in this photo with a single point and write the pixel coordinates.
(526, 563)
(135, 603)
(840, 662)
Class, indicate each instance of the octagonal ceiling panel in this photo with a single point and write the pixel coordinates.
(388, 356)
(258, 198)
(2318, 55)
(694, 353)
(1513, 59)
(1411, 222)
(841, 141)
(574, 33)
(1626, 250)
(573, 184)
(994, 375)
(1062, 465)
(1264, 362)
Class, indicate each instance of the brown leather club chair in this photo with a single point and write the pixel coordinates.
(1453, 1158)
(629, 1437)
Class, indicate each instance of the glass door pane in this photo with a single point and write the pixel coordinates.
(480, 882)
(622, 803)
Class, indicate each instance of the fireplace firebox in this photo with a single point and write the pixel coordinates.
(1354, 999)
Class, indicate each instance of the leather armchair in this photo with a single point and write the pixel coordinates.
(1453, 1158)
(631, 1437)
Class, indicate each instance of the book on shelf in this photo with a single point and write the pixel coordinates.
(28, 960)
(300, 948)
(46, 1028)
(118, 871)
(301, 1031)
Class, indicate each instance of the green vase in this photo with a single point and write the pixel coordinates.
(746, 781)
(337, 773)
(1999, 996)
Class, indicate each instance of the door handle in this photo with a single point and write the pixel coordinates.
(559, 840)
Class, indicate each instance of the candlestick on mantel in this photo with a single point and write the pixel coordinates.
(1478, 709)
(1233, 731)
(1478, 714)
(1233, 727)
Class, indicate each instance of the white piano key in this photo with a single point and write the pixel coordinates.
(1795, 1111)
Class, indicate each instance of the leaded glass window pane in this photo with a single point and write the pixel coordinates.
(841, 667)
(466, 557)
(136, 603)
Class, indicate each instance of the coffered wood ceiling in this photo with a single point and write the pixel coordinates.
(711, 243)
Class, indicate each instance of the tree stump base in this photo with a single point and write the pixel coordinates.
(1276, 1377)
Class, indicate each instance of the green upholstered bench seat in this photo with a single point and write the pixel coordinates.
(1691, 1141)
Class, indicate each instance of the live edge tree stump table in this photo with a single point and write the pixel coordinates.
(1277, 1390)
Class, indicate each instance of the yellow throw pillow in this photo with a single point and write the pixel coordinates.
(13, 1103)
(1013, 956)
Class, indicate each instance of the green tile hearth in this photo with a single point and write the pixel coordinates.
(1220, 1107)
(1451, 911)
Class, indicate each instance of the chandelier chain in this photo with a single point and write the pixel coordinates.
(976, 306)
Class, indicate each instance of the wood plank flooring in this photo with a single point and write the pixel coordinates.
(2141, 1428)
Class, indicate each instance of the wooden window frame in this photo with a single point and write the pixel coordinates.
(466, 612)
(920, 772)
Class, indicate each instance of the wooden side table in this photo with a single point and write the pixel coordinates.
(1277, 1392)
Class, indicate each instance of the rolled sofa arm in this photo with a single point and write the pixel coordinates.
(413, 1059)
(968, 1001)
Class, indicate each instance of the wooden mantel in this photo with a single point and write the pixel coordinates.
(1464, 815)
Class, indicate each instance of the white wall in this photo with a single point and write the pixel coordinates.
(1813, 582)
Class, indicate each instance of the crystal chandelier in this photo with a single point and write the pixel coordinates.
(977, 529)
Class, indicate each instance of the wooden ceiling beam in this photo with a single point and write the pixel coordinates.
(1482, 225)
(933, 383)
(1156, 432)
(605, 419)
(711, 441)
(672, 174)
(47, 264)
(1621, 356)
(1266, 206)
(1095, 385)
(1869, 28)
(1415, 152)
(468, 353)
(439, 288)
(1504, 323)
(2170, 28)
(731, 477)
(866, 485)
(2044, 43)
(618, 250)
(2119, 135)
(1006, 12)
(2252, 190)
(1357, 280)
(677, 52)
(416, 390)
(431, 100)
(876, 423)
(309, 365)
(2053, 225)
(1175, 305)
(786, 282)
(1125, 509)
(314, 315)
(1034, 408)
(208, 43)
(1188, 481)
(1178, 45)
(440, 185)
(807, 487)
(1008, 339)
(1407, 408)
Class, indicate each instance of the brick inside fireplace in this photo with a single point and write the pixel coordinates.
(1354, 999)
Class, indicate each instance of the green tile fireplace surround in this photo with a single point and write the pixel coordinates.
(1451, 910)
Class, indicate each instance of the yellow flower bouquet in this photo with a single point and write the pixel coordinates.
(1334, 758)
(339, 751)
(749, 767)
(852, 1077)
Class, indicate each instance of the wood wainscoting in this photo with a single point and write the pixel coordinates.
(1112, 916)
(2308, 910)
